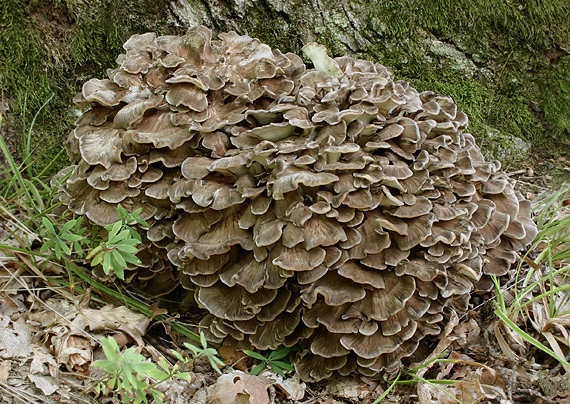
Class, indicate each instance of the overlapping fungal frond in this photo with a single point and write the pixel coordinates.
(333, 208)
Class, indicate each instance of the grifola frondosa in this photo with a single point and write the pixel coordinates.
(333, 208)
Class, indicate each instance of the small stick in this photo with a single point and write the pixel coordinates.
(512, 380)
(517, 172)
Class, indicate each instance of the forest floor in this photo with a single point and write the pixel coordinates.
(52, 322)
(52, 319)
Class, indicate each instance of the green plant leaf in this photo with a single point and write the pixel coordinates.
(258, 369)
(114, 230)
(157, 374)
(107, 263)
(528, 338)
(203, 340)
(110, 347)
(108, 366)
(71, 237)
(255, 355)
(65, 248)
(48, 225)
(195, 350)
(112, 383)
(131, 259)
(279, 353)
(184, 376)
(67, 226)
(178, 355)
(283, 365)
(120, 273)
(122, 212)
(119, 260)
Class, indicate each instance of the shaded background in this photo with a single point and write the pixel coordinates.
(505, 63)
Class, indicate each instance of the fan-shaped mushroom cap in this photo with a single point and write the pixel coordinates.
(331, 207)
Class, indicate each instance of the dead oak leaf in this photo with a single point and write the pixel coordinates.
(15, 339)
(114, 318)
(240, 388)
(234, 358)
(44, 383)
(73, 351)
(42, 361)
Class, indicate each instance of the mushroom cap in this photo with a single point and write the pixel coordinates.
(328, 207)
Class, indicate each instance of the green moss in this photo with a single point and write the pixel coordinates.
(505, 63)
(51, 47)
(500, 61)
(554, 87)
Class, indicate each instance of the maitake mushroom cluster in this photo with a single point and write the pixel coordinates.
(333, 208)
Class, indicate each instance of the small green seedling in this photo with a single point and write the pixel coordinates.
(120, 248)
(210, 353)
(68, 239)
(273, 360)
(133, 377)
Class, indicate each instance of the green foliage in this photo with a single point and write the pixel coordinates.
(132, 376)
(210, 353)
(68, 239)
(414, 376)
(28, 193)
(120, 247)
(274, 361)
(51, 47)
(541, 292)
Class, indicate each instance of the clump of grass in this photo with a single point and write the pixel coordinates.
(541, 298)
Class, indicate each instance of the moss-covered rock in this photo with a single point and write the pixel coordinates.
(507, 64)
(48, 48)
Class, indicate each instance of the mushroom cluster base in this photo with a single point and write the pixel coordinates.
(332, 208)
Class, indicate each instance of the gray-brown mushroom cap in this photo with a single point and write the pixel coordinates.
(330, 207)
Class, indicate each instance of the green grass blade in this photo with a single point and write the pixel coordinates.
(528, 338)
(28, 148)
(388, 390)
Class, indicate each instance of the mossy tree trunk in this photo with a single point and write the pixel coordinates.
(506, 64)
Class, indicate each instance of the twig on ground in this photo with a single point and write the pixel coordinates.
(530, 183)
(512, 379)
(517, 172)
(21, 395)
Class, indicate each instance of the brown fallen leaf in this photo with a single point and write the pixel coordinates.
(9, 305)
(240, 388)
(430, 394)
(293, 387)
(349, 388)
(73, 351)
(15, 338)
(234, 358)
(114, 318)
(5, 367)
(44, 383)
(42, 361)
